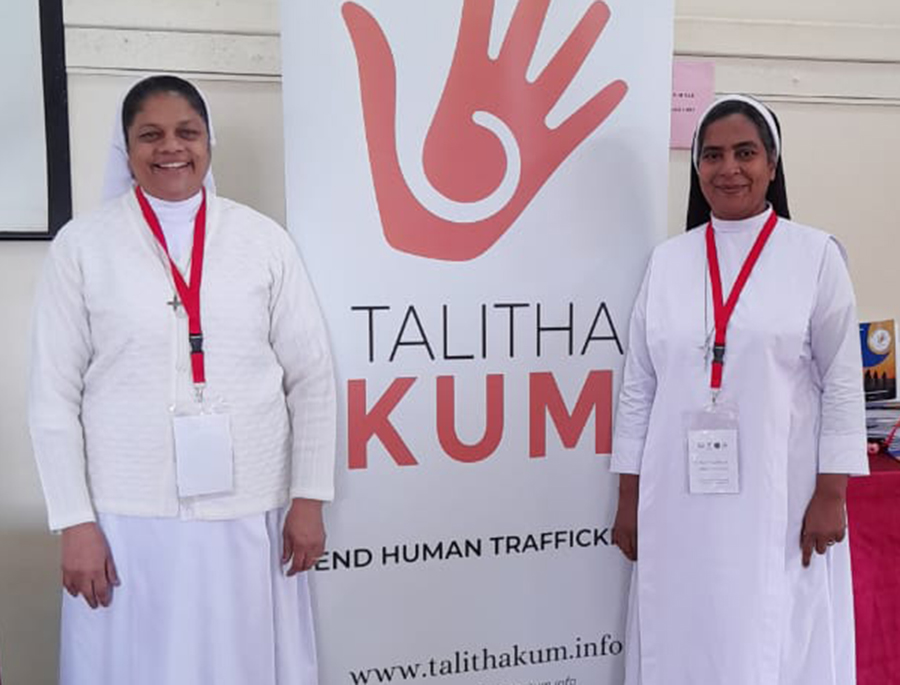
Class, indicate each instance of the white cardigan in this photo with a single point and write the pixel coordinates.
(111, 359)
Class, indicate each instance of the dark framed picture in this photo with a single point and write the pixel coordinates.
(35, 178)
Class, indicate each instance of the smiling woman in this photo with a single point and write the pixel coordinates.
(738, 165)
(743, 352)
(735, 168)
(167, 134)
(182, 413)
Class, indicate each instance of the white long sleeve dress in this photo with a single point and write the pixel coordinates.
(718, 594)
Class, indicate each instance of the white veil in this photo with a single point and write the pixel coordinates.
(755, 104)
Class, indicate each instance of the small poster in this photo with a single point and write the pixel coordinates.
(879, 359)
(693, 90)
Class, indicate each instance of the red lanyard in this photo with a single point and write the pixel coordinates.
(189, 294)
(722, 309)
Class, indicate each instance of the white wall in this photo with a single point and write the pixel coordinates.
(831, 70)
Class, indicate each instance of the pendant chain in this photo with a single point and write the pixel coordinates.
(707, 333)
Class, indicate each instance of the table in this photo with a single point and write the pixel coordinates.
(873, 506)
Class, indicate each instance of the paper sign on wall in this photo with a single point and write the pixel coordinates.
(693, 90)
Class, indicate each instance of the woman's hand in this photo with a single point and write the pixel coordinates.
(87, 564)
(624, 532)
(825, 521)
(303, 536)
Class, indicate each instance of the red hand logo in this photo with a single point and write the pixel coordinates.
(489, 142)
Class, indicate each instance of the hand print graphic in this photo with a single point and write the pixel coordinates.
(488, 150)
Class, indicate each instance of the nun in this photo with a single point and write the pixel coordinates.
(740, 418)
(182, 413)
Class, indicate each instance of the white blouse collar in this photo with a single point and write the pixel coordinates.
(750, 224)
(178, 211)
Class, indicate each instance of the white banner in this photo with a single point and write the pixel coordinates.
(475, 187)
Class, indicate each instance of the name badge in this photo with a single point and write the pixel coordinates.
(712, 451)
(713, 459)
(204, 458)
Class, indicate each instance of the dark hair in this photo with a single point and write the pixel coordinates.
(698, 208)
(154, 85)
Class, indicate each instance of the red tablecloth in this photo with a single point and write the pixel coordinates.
(873, 507)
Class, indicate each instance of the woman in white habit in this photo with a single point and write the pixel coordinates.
(739, 420)
(182, 411)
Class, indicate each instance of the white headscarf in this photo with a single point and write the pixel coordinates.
(118, 178)
(755, 104)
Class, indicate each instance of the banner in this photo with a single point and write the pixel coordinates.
(475, 187)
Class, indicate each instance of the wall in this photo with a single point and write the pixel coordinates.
(829, 69)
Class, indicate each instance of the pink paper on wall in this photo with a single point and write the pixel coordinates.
(693, 90)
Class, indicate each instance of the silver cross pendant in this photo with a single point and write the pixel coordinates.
(174, 303)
